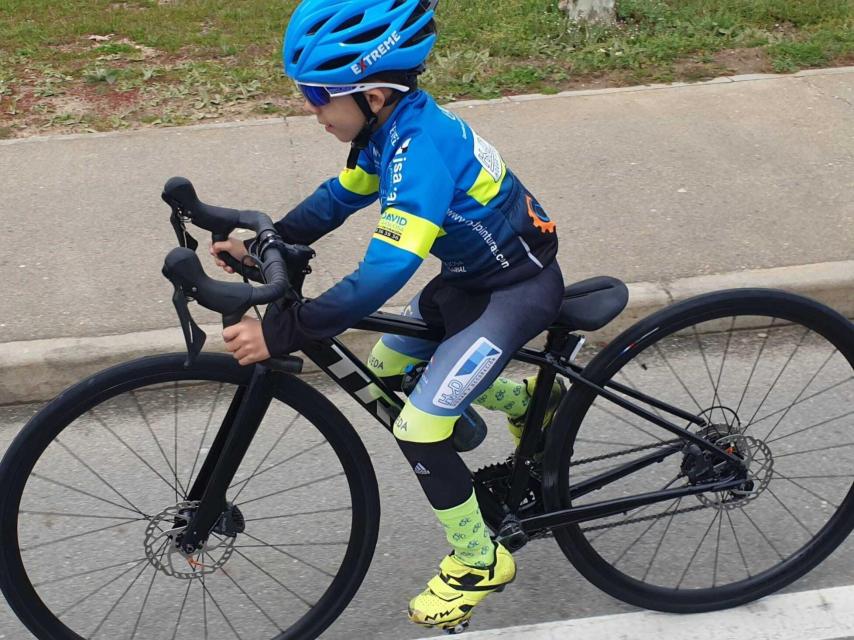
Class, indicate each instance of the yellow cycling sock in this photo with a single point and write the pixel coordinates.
(468, 533)
(505, 395)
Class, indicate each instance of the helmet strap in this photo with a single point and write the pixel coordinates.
(364, 137)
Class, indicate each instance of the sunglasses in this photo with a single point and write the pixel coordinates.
(321, 95)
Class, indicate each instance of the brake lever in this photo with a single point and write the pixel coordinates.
(193, 335)
(179, 225)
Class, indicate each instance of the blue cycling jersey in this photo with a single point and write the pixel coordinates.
(443, 190)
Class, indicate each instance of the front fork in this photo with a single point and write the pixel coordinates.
(236, 433)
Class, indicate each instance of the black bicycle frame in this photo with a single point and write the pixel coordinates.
(249, 405)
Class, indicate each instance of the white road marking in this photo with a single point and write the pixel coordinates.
(823, 614)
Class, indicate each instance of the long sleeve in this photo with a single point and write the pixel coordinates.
(414, 208)
(331, 204)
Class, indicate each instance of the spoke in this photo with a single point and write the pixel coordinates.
(798, 397)
(609, 442)
(266, 455)
(255, 604)
(803, 488)
(767, 332)
(145, 600)
(103, 586)
(216, 604)
(642, 534)
(299, 486)
(292, 544)
(812, 426)
(621, 419)
(175, 459)
(676, 375)
(278, 464)
(809, 397)
(723, 360)
(78, 535)
(762, 533)
(181, 610)
(301, 513)
(274, 579)
(635, 513)
(738, 544)
(75, 515)
(133, 451)
(86, 493)
(97, 475)
(205, 432)
(157, 442)
(821, 476)
(205, 605)
(663, 536)
(789, 511)
(85, 573)
(121, 597)
(290, 555)
(779, 375)
(715, 399)
(717, 553)
(827, 448)
(697, 550)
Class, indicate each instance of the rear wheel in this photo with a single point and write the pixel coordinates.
(771, 373)
(95, 486)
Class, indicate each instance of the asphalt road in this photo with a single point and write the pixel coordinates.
(799, 369)
(645, 185)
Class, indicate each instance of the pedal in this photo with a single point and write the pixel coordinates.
(462, 626)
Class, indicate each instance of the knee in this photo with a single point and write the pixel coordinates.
(417, 426)
(385, 362)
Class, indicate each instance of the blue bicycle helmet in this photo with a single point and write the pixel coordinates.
(342, 42)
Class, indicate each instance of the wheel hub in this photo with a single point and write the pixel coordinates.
(163, 542)
(729, 436)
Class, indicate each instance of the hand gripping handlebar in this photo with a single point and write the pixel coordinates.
(231, 299)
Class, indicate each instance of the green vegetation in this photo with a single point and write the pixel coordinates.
(100, 64)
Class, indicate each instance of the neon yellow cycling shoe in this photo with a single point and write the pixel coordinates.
(516, 425)
(450, 597)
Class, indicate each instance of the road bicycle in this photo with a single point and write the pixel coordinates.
(700, 460)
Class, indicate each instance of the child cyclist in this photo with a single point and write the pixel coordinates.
(442, 190)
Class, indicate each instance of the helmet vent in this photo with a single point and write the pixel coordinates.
(338, 63)
(428, 30)
(373, 34)
(352, 22)
(317, 27)
(297, 55)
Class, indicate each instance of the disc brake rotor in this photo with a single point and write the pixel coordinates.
(164, 553)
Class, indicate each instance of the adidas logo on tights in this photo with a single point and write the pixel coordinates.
(421, 470)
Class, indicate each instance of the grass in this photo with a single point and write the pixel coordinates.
(169, 62)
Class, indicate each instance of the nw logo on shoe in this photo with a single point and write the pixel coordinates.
(421, 470)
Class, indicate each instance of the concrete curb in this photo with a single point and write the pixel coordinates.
(460, 104)
(38, 370)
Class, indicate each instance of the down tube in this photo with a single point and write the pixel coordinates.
(348, 371)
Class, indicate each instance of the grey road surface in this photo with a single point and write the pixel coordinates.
(797, 406)
(645, 185)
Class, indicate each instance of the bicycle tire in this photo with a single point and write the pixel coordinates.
(309, 404)
(563, 445)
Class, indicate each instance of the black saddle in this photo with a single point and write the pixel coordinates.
(591, 304)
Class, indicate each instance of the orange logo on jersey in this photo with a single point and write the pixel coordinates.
(539, 217)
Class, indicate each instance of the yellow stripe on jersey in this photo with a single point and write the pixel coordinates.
(359, 181)
(485, 188)
(406, 231)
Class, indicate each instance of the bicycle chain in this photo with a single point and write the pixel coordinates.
(547, 533)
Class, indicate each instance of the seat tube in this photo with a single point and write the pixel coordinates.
(249, 415)
(530, 437)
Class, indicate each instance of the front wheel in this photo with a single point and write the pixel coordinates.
(771, 375)
(96, 484)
